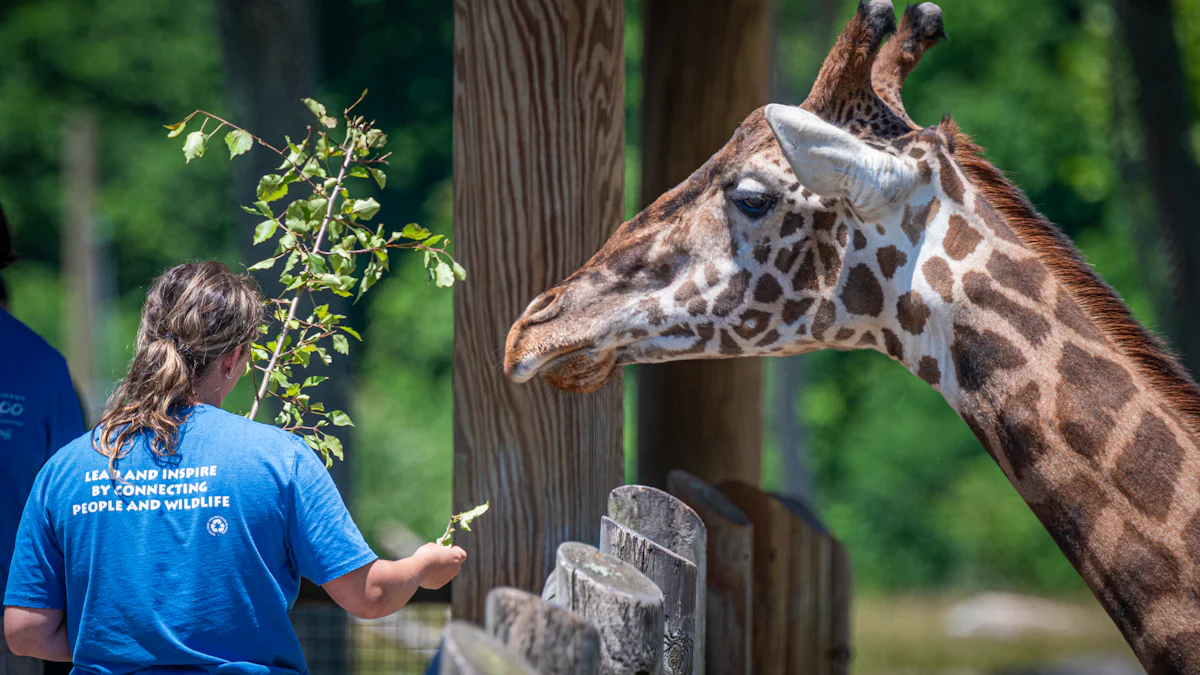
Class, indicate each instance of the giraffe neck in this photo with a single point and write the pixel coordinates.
(1109, 464)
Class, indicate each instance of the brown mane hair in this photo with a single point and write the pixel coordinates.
(1096, 298)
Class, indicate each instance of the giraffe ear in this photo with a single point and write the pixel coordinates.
(834, 164)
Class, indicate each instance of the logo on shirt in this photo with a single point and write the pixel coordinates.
(13, 408)
(217, 526)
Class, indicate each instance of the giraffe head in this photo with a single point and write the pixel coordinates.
(795, 236)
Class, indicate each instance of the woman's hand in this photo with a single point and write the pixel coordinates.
(439, 564)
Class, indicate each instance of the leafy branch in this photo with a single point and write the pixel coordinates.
(321, 233)
(463, 520)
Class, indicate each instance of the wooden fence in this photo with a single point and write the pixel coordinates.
(700, 579)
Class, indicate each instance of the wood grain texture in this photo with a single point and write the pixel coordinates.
(667, 521)
(538, 169)
(730, 573)
(705, 66)
(554, 640)
(676, 578)
(772, 575)
(467, 650)
(623, 603)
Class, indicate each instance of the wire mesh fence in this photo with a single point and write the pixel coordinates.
(336, 643)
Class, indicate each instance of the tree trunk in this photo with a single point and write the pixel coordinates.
(705, 67)
(538, 167)
(1164, 111)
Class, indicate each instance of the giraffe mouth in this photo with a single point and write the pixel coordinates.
(576, 368)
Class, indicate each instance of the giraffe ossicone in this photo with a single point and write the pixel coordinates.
(843, 225)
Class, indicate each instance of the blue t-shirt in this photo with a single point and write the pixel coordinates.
(187, 564)
(39, 413)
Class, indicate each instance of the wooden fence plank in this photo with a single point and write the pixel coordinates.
(669, 522)
(554, 640)
(772, 572)
(467, 650)
(675, 576)
(729, 573)
(625, 605)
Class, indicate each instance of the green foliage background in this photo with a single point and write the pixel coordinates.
(1043, 84)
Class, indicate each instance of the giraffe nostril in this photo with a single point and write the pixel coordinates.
(544, 308)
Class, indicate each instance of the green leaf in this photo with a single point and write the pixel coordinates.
(333, 445)
(319, 110)
(376, 138)
(415, 231)
(314, 380)
(239, 142)
(262, 265)
(340, 344)
(272, 187)
(443, 276)
(465, 519)
(432, 241)
(353, 332)
(380, 177)
(176, 128)
(194, 145)
(365, 208)
(264, 231)
(459, 271)
(340, 419)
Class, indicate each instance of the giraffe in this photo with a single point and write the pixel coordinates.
(841, 224)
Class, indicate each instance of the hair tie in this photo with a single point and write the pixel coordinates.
(182, 348)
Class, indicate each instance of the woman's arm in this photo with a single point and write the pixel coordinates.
(382, 587)
(40, 633)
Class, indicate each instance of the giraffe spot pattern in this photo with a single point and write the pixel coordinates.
(793, 310)
(806, 274)
(1070, 512)
(786, 258)
(1142, 570)
(844, 334)
(951, 183)
(1023, 276)
(978, 355)
(867, 339)
(653, 311)
(728, 345)
(753, 322)
(862, 293)
(916, 221)
(1021, 430)
(939, 277)
(928, 370)
(762, 252)
(891, 342)
(824, 220)
(1181, 654)
(1070, 315)
(979, 290)
(767, 290)
(771, 337)
(993, 221)
(961, 238)
(1090, 389)
(823, 319)
(860, 240)
(890, 259)
(831, 261)
(1191, 538)
(841, 234)
(912, 312)
(712, 275)
(792, 223)
(1147, 469)
(733, 295)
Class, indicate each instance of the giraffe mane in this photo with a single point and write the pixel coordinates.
(1099, 302)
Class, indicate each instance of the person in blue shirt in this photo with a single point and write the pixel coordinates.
(39, 413)
(173, 537)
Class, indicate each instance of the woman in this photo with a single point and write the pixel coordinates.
(173, 537)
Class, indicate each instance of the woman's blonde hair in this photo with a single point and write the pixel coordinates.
(194, 314)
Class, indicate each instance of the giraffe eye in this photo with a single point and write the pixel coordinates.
(753, 204)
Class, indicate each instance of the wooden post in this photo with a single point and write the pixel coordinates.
(538, 166)
(772, 575)
(672, 524)
(467, 650)
(554, 640)
(705, 66)
(675, 576)
(624, 604)
(81, 260)
(729, 571)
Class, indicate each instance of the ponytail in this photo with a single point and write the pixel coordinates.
(194, 314)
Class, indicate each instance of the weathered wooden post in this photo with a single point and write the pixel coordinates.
(818, 628)
(624, 604)
(554, 640)
(670, 523)
(729, 572)
(676, 578)
(772, 575)
(705, 66)
(467, 650)
(539, 152)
